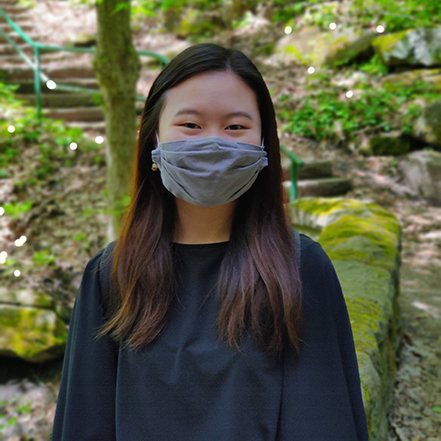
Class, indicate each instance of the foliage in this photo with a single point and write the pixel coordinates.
(326, 113)
(15, 209)
(395, 16)
(284, 11)
(151, 8)
(398, 15)
(373, 67)
(43, 257)
(52, 137)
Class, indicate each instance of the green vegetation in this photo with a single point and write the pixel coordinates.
(19, 408)
(20, 130)
(395, 16)
(326, 113)
(43, 258)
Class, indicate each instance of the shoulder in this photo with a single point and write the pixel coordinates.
(317, 270)
(99, 260)
(312, 253)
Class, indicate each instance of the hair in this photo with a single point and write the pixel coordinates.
(259, 284)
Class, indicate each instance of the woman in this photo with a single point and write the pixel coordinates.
(213, 330)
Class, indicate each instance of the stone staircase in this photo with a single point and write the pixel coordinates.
(77, 109)
(315, 178)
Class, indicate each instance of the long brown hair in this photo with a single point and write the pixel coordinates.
(259, 284)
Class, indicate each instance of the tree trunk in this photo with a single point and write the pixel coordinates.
(117, 67)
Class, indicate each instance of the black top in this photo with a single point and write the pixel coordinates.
(187, 386)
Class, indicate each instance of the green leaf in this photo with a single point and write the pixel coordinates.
(80, 237)
(437, 408)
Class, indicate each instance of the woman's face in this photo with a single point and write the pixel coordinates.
(211, 104)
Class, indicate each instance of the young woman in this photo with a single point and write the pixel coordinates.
(217, 327)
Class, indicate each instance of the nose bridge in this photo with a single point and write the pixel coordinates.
(213, 130)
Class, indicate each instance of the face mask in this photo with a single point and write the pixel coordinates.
(209, 171)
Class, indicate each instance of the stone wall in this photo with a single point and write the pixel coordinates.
(363, 242)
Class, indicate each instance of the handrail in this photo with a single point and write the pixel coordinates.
(295, 163)
(41, 76)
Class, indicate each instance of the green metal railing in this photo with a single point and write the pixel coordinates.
(40, 76)
(35, 64)
(295, 163)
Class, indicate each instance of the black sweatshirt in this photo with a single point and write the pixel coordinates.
(187, 386)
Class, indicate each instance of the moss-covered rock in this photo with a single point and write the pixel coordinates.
(33, 334)
(26, 297)
(413, 47)
(363, 241)
(199, 23)
(399, 81)
(30, 328)
(317, 48)
(427, 128)
(386, 144)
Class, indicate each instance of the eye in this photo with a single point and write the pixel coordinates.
(236, 127)
(190, 126)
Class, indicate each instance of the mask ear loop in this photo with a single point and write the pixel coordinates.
(154, 165)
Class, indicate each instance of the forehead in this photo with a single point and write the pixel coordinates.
(211, 92)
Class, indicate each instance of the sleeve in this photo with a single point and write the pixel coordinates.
(86, 401)
(321, 393)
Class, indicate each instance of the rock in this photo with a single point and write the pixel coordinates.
(311, 46)
(402, 80)
(202, 23)
(363, 240)
(311, 169)
(414, 47)
(386, 144)
(421, 171)
(324, 186)
(29, 327)
(427, 128)
(83, 40)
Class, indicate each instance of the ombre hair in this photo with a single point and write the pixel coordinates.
(259, 284)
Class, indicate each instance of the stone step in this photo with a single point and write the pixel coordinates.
(13, 58)
(60, 100)
(75, 114)
(80, 114)
(17, 38)
(321, 187)
(312, 169)
(7, 49)
(98, 127)
(25, 26)
(27, 86)
(17, 17)
(14, 73)
(14, 10)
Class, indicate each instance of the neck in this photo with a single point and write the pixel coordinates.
(198, 225)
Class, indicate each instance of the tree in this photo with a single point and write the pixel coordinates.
(117, 67)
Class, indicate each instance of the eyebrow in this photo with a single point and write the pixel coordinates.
(187, 111)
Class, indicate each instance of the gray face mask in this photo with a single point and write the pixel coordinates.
(209, 171)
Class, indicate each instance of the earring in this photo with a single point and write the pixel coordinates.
(154, 166)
